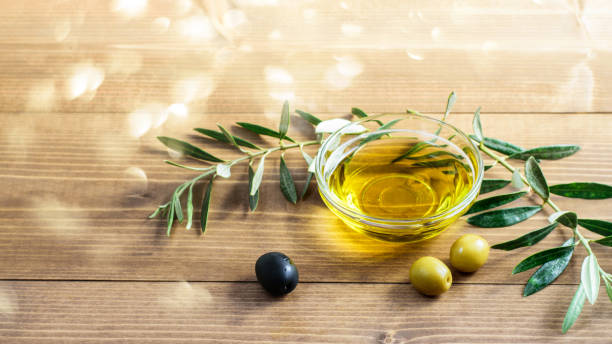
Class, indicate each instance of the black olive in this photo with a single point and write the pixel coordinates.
(276, 273)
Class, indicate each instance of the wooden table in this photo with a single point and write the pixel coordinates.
(86, 86)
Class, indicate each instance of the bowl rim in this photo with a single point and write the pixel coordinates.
(396, 223)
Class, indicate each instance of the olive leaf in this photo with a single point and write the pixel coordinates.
(308, 117)
(489, 185)
(607, 241)
(549, 271)
(541, 258)
(449, 105)
(608, 288)
(187, 149)
(253, 199)
(178, 210)
(206, 205)
(306, 157)
(222, 138)
(224, 170)
(597, 226)
(283, 126)
(583, 190)
(311, 167)
(258, 175)
(436, 163)
(574, 309)
(517, 180)
(417, 147)
(229, 137)
(309, 162)
(306, 184)
(502, 146)
(547, 152)
(358, 112)
(536, 178)
(589, 278)
(170, 219)
(185, 167)
(494, 202)
(361, 114)
(477, 126)
(435, 155)
(452, 97)
(414, 112)
(190, 206)
(566, 218)
(159, 210)
(503, 217)
(528, 239)
(287, 184)
(376, 134)
(258, 129)
(499, 145)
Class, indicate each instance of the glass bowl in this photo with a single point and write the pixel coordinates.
(397, 194)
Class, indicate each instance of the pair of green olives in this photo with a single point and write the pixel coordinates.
(432, 277)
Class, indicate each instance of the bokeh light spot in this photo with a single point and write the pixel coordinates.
(435, 33)
(85, 78)
(351, 30)
(138, 186)
(193, 88)
(275, 35)
(335, 80)
(349, 66)
(130, 8)
(139, 122)
(179, 110)
(278, 75)
(234, 18)
(488, 46)
(282, 95)
(62, 30)
(197, 28)
(414, 56)
(160, 25)
(256, 2)
(309, 13)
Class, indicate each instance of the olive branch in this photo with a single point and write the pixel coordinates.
(552, 262)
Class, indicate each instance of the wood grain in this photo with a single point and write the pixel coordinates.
(126, 312)
(86, 86)
(382, 56)
(72, 208)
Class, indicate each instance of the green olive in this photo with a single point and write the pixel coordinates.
(430, 276)
(469, 253)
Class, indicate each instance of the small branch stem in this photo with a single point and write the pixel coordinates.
(212, 169)
(583, 241)
(273, 149)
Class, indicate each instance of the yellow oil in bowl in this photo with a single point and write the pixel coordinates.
(403, 184)
(430, 181)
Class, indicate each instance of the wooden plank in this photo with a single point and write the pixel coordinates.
(88, 57)
(183, 312)
(76, 190)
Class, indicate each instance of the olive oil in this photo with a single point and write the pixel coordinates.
(403, 178)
